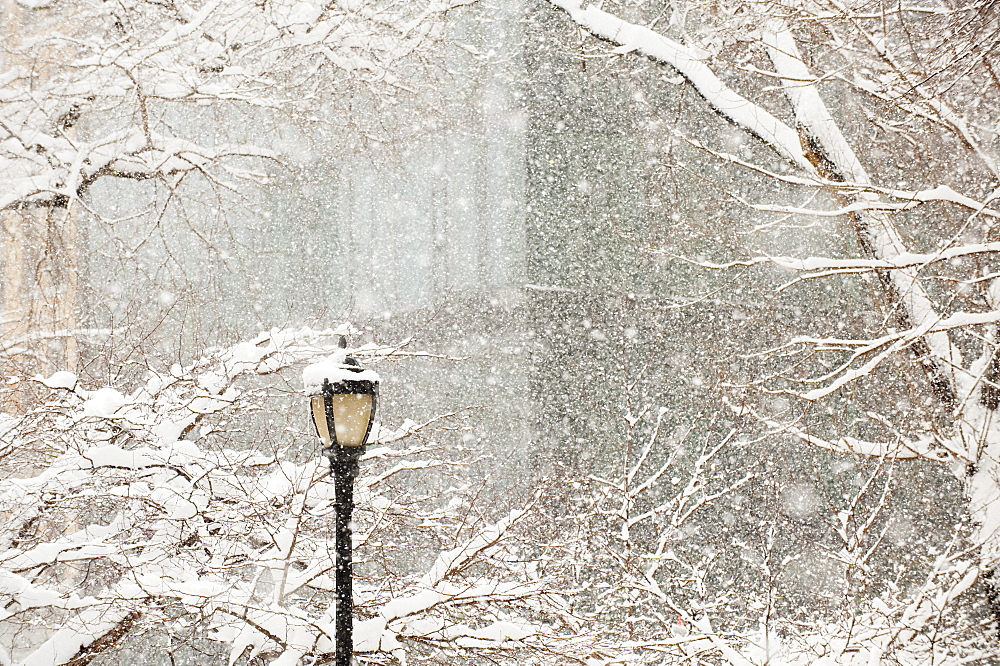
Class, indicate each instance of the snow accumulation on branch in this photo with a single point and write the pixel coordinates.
(690, 63)
(941, 193)
(828, 264)
(122, 155)
(913, 198)
(930, 448)
(866, 355)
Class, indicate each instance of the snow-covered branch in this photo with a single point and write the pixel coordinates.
(689, 63)
(117, 79)
(823, 266)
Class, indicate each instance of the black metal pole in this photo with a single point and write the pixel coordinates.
(344, 468)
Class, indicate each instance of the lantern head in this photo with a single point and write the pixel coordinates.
(343, 410)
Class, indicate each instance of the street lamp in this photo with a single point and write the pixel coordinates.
(342, 400)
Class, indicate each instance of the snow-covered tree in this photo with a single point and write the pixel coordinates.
(875, 124)
(99, 90)
(191, 515)
(705, 537)
(174, 114)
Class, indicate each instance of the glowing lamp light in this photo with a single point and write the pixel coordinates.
(344, 410)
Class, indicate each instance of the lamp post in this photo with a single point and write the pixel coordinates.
(342, 401)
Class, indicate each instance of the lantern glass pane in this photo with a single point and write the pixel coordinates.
(351, 414)
(319, 419)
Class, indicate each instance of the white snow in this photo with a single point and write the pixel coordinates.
(300, 14)
(114, 456)
(60, 380)
(333, 369)
(104, 403)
